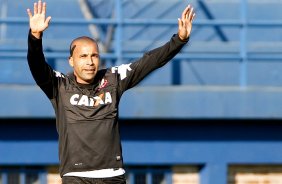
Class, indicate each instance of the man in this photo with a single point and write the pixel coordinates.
(86, 101)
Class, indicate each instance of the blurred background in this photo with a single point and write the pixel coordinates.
(210, 116)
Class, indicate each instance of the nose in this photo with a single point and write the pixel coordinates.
(90, 61)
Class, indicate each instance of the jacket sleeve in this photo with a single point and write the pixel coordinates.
(131, 74)
(42, 73)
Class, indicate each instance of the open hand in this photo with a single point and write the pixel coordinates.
(185, 23)
(37, 22)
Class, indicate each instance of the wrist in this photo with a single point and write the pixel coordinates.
(182, 38)
(36, 34)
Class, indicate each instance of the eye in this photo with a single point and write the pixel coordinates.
(83, 56)
(95, 55)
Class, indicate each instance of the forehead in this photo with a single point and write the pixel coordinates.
(86, 47)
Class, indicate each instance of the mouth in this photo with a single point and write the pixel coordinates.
(92, 70)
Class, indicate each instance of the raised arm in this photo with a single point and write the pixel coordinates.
(133, 73)
(37, 22)
(42, 73)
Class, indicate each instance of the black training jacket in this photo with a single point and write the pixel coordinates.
(87, 115)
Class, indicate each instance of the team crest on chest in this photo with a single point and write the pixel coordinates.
(103, 84)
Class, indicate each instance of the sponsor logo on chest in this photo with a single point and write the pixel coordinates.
(84, 100)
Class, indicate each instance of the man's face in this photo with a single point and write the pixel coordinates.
(85, 61)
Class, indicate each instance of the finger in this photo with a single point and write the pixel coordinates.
(35, 10)
(47, 20)
(192, 19)
(190, 9)
(39, 6)
(29, 13)
(180, 23)
(44, 8)
(190, 15)
(184, 13)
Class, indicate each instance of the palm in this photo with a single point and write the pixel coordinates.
(185, 30)
(37, 23)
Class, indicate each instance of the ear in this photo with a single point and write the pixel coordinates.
(71, 61)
